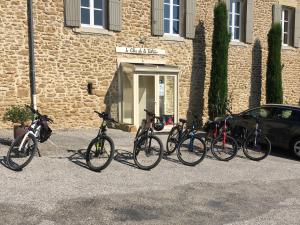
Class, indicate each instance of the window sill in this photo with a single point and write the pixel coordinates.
(285, 47)
(238, 44)
(92, 30)
(171, 38)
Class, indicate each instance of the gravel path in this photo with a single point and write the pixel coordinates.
(58, 188)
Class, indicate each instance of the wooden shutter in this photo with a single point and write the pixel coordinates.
(190, 19)
(158, 17)
(182, 18)
(249, 22)
(228, 12)
(297, 28)
(277, 12)
(115, 15)
(72, 13)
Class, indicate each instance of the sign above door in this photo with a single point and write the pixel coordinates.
(140, 51)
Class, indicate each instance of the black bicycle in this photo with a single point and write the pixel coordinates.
(191, 149)
(256, 146)
(25, 146)
(148, 148)
(101, 149)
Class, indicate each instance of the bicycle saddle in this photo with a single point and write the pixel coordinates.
(182, 120)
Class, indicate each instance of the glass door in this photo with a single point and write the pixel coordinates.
(156, 93)
(168, 99)
(146, 96)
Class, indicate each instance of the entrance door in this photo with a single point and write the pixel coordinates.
(158, 94)
(146, 96)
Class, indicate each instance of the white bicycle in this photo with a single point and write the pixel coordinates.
(24, 147)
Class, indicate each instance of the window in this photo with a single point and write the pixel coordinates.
(265, 113)
(92, 13)
(286, 23)
(171, 17)
(235, 19)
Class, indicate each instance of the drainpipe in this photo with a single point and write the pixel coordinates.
(31, 54)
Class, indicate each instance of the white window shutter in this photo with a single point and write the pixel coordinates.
(190, 27)
(115, 15)
(249, 22)
(277, 11)
(182, 18)
(72, 13)
(158, 17)
(297, 28)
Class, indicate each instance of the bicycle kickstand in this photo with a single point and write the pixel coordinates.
(38, 150)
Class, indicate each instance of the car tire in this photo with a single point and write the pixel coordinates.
(295, 147)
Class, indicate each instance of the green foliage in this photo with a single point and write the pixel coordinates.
(217, 101)
(17, 114)
(274, 67)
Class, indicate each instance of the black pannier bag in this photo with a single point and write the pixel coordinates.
(45, 131)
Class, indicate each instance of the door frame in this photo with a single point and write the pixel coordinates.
(156, 90)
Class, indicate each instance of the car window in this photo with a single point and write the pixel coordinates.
(283, 114)
(296, 115)
(265, 113)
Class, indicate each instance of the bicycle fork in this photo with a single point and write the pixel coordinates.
(99, 147)
(191, 144)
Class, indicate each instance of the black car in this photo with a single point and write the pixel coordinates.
(280, 123)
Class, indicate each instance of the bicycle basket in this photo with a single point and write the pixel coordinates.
(45, 132)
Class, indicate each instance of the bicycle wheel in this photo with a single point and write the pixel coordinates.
(173, 140)
(148, 152)
(100, 153)
(257, 147)
(224, 150)
(21, 152)
(191, 150)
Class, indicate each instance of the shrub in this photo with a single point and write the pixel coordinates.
(274, 91)
(17, 114)
(218, 82)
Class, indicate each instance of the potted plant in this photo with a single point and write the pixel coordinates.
(18, 115)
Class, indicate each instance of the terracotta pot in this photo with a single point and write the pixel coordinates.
(19, 130)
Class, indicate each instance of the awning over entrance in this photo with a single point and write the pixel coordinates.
(129, 68)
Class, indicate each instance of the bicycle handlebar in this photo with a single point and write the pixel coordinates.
(150, 113)
(106, 117)
(39, 115)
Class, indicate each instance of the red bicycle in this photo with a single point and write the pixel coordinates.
(223, 146)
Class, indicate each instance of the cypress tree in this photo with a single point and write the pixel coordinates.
(274, 67)
(218, 82)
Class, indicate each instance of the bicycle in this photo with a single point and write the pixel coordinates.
(252, 142)
(100, 151)
(256, 146)
(223, 146)
(24, 147)
(148, 148)
(190, 148)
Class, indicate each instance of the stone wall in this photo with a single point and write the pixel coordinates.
(67, 61)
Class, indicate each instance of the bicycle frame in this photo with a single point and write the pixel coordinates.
(184, 132)
(34, 130)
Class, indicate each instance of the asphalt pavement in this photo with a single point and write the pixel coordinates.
(58, 188)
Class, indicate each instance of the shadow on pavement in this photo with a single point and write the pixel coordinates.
(123, 156)
(277, 152)
(6, 141)
(77, 157)
(173, 160)
(3, 162)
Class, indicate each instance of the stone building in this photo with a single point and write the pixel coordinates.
(126, 55)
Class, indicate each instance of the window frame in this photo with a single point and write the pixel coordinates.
(92, 10)
(289, 21)
(232, 14)
(171, 18)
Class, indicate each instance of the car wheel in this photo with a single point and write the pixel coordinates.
(296, 148)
